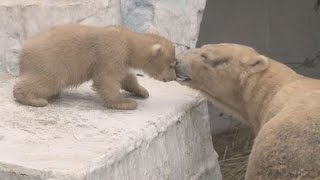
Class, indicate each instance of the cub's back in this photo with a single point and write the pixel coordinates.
(72, 36)
(68, 47)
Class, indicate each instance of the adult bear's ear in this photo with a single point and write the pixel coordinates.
(257, 64)
(156, 49)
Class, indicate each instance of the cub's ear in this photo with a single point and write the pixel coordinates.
(258, 64)
(156, 49)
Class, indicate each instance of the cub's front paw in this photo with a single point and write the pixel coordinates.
(37, 102)
(124, 104)
(142, 92)
(54, 97)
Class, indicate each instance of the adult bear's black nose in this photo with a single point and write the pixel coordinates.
(181, 72)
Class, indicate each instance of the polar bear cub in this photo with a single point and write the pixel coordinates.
(68, 55)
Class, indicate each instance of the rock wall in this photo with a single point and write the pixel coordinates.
(177, 20)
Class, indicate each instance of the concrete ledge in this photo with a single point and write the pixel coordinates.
(75, 137)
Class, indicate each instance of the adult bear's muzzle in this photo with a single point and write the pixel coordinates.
(183, 66)
(181, 72)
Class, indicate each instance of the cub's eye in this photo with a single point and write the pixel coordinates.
(173, 65)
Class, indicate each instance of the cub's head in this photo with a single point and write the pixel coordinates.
(218, 70)
(161, 64)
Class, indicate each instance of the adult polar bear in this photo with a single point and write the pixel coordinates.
(281, 106)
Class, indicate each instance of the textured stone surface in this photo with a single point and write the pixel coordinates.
(75, 137)
(221, 121)
(177, 20)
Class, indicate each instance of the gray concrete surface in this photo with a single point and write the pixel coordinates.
(75, 137)
(286, 30)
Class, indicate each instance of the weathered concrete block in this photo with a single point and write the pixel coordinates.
(75, 137)
(221, 121)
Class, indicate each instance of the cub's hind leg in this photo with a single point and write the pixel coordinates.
(34, 90)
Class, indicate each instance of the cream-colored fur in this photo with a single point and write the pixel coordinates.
(68, 55)
(281, 106)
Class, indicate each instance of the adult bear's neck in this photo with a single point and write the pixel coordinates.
(259, 90)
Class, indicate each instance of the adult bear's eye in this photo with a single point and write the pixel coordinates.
(204, 56)
(219, 62)
(216, 62)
